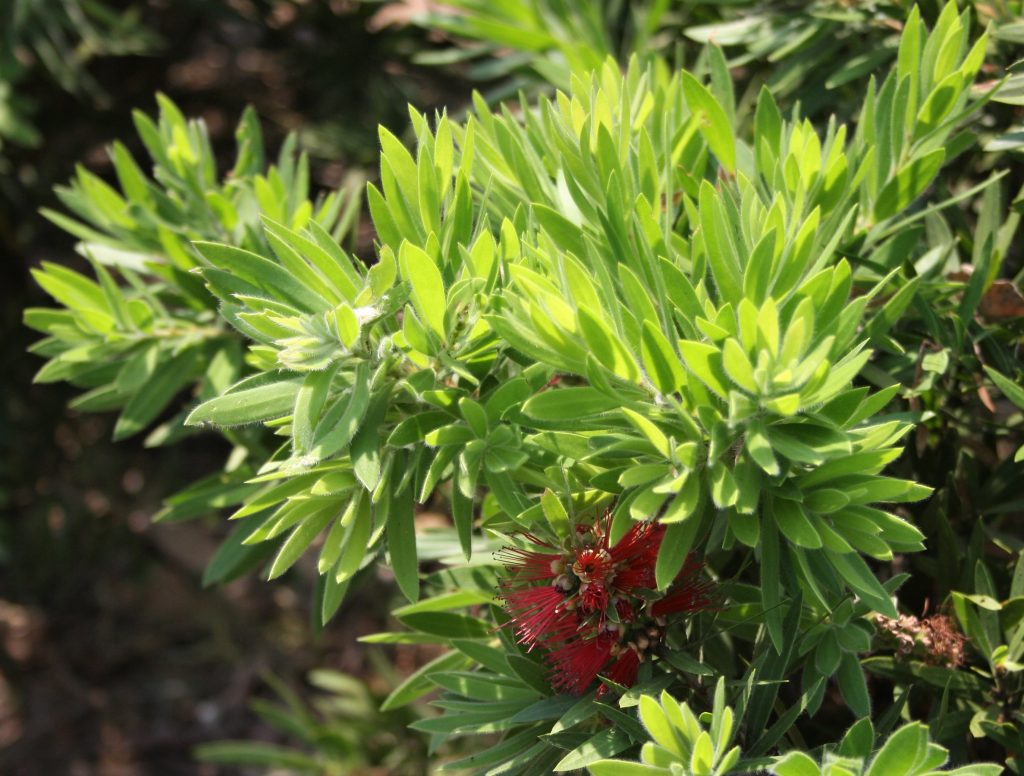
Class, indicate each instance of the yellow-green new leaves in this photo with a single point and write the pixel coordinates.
(908, 750)
(679, 741)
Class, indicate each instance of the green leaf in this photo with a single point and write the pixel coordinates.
(330, 593)
(862, 581)
(401, 536)
(705, 361)
(598, 747)
(716, 232)
(339, 424)
(301, 538)
(738, 366)
(793, 523)
(902, 752)
(462, 515)
(568, 404)
(859, 740)
(427, 286)
(606, 346)
(309, 403)
(1010, 389)
(653, 434)
(565, 234)
(251, 405)
(448, 624)
(771, 587)
(623, 768)
(366, 444)
(678, 540)
(658, 726)
(273, 279)
(414, 428)
(555, 513)
(418, 683)
(713, 121)
(356, 541)
(660, 361)
(795, 764)
(256, 753)
(908, 184)
(233, 557)
(760, 448)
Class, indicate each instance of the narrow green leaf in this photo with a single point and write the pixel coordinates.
(713, 121)
(862, 581)
(427, 286)
(270, 277)
(300, 539)
(266, 402)
(309, 403)
(568, 404)
(908, 184)
(418, 683)
(1010, 389)
(679, 539)
(401, 537)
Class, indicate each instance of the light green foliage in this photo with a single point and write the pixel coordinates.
(146, 328)
(152, 221)
(680, 743)
(907, 752)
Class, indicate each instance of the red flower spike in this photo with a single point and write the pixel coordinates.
(578, 663)
(594, 608)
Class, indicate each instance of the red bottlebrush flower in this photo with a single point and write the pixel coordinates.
(593, 564)
(576, 664)
(538, 612)
(594, 608)
(635, 554)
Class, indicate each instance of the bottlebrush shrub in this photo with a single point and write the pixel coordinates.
(614, 302)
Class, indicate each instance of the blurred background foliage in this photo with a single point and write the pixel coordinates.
(116, 661)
